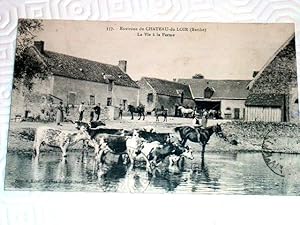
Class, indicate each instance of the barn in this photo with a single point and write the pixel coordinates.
(225, 96)
(155, 93)
(273, 95)
(74, 80)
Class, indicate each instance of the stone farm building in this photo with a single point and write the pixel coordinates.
(273, 94)
(74, 80)
(226, 96)
(155, 93)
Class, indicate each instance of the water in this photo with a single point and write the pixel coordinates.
(230, 173)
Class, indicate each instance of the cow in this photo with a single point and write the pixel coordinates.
(92, 124)
(153, 136)
(60, 138)
(97, 133)
(114, 144)
(154, 152)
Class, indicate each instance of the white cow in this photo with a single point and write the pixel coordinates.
(60, 138)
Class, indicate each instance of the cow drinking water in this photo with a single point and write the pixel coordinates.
(60, 138)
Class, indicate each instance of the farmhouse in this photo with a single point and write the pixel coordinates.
(273, 92)
(225, 96)
(74, 80)
(155, 93)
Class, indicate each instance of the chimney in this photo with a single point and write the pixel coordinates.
(40, 46)
(122, 65)
(255, 73)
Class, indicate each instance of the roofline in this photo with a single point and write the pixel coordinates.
(175, 96)
(221, 98)
(255, 105)
(250, 85)
(99, 82)
(191, 90)
(149, 85)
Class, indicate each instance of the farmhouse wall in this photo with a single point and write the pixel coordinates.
(293, 104)
(31, 101)
(145, 89)
(228, 106)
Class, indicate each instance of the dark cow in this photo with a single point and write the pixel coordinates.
(158, 155)
(152, 136)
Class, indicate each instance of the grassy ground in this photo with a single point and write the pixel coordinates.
(281, 137)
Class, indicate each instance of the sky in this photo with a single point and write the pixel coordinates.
(215, 50)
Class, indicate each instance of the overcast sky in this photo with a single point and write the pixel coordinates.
(221, 51)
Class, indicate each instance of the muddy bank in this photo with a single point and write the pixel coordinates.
(279, 137)
(249, 136)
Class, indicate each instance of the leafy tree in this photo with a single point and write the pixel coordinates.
(27, 67)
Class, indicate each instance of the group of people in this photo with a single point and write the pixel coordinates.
(94, 113)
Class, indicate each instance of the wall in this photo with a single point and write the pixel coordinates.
(83, 90)
(145, 89)
(293, 106)
(266, 114)
(25, 100)
(278, 75)
(232, 104)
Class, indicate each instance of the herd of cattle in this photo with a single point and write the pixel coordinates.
(138, 145)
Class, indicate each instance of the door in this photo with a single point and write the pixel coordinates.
(236, 113)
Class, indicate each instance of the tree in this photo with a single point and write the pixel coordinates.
(27, 67)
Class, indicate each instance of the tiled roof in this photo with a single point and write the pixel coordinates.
(84, 69)
(274, 100)
(169, 88)
(229, 89)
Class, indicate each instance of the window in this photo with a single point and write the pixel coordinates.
(296, 101)
(181, 98)
(110, 85)
(228, 108)
(150, 98)
(92, 99)
(71, 98)
(109, 102)
(208, 92)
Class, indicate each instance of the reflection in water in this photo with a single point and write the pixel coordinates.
(109, 175)
(200, 175)
(220, 173)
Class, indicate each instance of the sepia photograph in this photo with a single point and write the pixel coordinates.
(154, 107)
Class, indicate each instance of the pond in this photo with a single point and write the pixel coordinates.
(219, 173)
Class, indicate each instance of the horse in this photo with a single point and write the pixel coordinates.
(140, 110)
(185, 112)
(198, 134)
(160, 112)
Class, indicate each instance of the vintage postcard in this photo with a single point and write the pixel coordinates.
(154, 107)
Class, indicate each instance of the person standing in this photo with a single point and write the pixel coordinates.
(97, 110)
(120, 111)
(204, 119)
(81, 111)
(196, 121)
(92, 114)
(60, 114)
